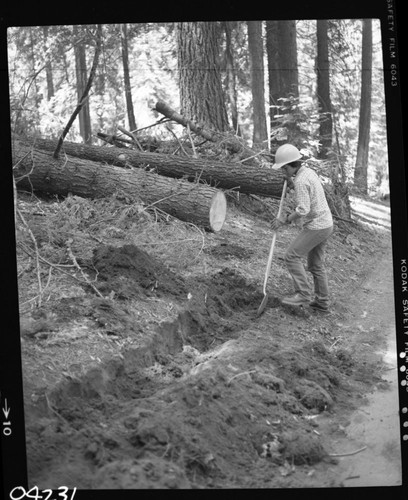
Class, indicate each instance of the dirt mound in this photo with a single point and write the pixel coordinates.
(222, 304)
(226, 292)
(143, 473)
(302, 448)
(176, 412)
(210, 428)
(233, 291)
(131, 272)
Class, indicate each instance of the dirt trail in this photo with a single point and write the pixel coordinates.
(375, 425)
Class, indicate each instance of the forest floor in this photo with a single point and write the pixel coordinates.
(146, 366)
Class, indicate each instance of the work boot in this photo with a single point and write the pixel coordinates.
(295, 300)
(319, 307)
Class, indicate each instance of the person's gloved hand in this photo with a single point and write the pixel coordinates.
(290, 186)
(278, 222)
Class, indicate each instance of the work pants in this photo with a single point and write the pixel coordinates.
(309, 243)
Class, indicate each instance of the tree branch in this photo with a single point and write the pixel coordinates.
(85, 93)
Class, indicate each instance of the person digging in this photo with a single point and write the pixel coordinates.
(312, 208)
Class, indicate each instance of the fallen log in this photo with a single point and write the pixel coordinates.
(38, 170)
(171, 114)
(229, 141)
(248, 179)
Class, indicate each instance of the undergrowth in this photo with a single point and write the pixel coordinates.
(56, 239)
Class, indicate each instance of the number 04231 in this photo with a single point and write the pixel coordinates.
(61, 493)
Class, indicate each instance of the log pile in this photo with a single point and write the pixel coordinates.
(37, 169)
(187, 187)
(248, 179)
(190, 188)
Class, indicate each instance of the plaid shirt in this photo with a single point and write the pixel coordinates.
(311, 201)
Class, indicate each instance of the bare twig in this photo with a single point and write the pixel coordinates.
(72, 256)
(130, 134)
(36, 254)
(198, 177)
(178, 140)
(167, 242)
(263, 152)
(239, 375)
(347, 454)
(58, 267)
(33, 299)
(25, 303)
(159, 122)
(191, 141)
(202, 237)
(334, 343)
(49, 278)
(17, 164)
(53, 410)
(55, 266)
(113, 139)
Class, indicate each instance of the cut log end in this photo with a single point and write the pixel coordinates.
(218, 211)
(196, 203)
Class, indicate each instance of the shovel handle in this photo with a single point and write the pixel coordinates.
(268, 265)
(282, 198)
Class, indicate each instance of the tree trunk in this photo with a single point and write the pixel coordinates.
(33, 77)
(288, 65)
(360, 172)
(39, 171)
(323, 89)
(81, 81)
(231, 78)
(255, 44)
(281, 45)
(273, 68)
(244, 178)
(48, 65)
(201, 94)
(83, 100)
(126, 77)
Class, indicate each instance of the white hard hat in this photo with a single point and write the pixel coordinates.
(286, 154)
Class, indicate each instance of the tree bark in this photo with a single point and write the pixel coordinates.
(255, 44)
(83, 103)
(273, 69)
(201, 94)
(323, 89)
(231, 77)
(281, 45)
(244, 178)
(48, 64)
(33, 78)
(126, 77)
(360, 172)
(81, 84)
(38, 170)
(288, 63)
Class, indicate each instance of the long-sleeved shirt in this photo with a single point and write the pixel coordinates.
(311, 201)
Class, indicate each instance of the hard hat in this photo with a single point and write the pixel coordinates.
(286, 154)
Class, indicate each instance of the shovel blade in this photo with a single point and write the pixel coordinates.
(261, 308)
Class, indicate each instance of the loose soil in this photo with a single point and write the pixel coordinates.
(163, 377)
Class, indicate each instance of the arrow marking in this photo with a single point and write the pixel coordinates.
(6, 409)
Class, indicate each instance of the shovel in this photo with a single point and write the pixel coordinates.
(268, 266)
